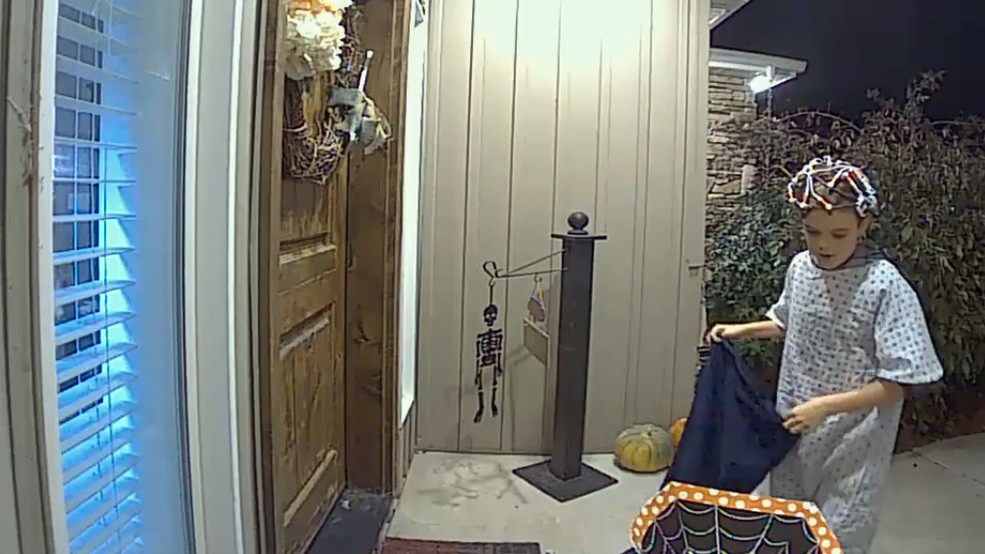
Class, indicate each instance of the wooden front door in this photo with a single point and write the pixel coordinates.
(301, 329)
(307, 377)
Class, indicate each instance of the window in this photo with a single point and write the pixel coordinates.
(115, 239)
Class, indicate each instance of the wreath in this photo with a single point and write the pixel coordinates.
(314, 140)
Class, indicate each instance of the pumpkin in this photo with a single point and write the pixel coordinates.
(644, 448)
(677, 431)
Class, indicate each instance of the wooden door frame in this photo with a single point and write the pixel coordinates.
(266, 222)
(372, 299)
(373, 263)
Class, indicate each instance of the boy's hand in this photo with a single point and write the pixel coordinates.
(808, 416)
(720, 333)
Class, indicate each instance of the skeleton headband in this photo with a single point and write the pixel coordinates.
(819, 179)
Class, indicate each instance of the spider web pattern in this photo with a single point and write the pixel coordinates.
(691, 528)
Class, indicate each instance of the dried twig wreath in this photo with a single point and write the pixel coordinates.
(314, 143)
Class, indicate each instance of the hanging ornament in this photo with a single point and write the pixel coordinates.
(488, 354)
(489, 343)
(537, 304)
(363, 122)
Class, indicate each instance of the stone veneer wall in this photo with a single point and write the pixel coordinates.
(729, 98)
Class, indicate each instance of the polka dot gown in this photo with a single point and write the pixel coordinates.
(844, 329)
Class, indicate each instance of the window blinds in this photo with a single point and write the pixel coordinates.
(93, 178)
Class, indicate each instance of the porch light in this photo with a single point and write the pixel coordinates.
(761, 83)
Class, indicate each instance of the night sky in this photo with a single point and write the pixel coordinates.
(854, 45)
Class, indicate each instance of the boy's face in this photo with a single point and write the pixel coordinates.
(832, 237)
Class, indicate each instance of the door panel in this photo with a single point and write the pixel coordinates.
(308, 385)
(301, 330)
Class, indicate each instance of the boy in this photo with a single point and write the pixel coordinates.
(855, 340)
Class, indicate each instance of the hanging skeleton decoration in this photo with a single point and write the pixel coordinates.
(488, 354)
(489, 344)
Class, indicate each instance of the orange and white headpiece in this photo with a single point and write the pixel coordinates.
(824, 181)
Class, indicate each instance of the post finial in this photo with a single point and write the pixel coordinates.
(578, 221)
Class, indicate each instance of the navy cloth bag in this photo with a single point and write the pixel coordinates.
(733, 436)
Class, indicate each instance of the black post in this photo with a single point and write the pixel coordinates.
(564, 476)
(574, 333)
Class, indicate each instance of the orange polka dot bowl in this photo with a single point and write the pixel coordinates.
(686, 518)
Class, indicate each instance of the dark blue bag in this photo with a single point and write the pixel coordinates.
(733, 436)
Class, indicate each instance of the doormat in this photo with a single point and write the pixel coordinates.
(354, 524)
(393, 545)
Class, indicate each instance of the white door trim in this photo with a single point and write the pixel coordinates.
(219, 166)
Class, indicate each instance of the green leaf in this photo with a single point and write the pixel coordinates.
(907, 234)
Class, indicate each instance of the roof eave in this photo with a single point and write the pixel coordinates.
(779, 69)
(754, 61)
(723, 9)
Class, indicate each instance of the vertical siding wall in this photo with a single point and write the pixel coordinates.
(536, 109)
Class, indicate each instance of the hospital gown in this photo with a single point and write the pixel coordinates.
(844, 329)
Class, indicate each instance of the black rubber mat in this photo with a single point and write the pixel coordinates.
(354, 524)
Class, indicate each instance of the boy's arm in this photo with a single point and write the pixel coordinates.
(808, 416)
(760, 330)
(877, 393)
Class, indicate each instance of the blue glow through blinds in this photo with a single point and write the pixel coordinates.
(93, 178)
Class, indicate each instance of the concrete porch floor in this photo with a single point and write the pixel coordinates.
(936, 502)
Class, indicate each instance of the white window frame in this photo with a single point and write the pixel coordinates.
(219, 170)
(44, 283)
(23, 520)
(222, 80)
